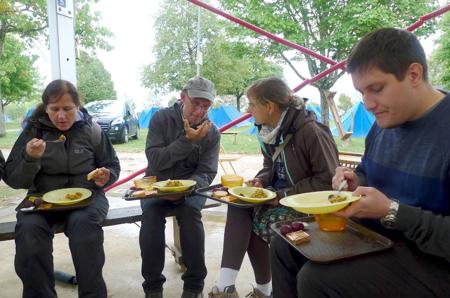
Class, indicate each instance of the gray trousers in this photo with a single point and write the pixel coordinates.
(239, 239)
(192, 239)
(34, 247)
(399, 272)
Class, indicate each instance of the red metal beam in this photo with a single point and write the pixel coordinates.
(317, 77)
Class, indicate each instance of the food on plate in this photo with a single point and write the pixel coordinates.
(231, 180)
(173, 183)
(73, 196)
(336, 198)
(259, 194)
(228, 198)
(94, 174)
(219, 193)
(62, 138)
(298, 237)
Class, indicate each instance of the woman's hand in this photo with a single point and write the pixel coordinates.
(103, 177)
(35, 148)
(256, 182)
(343, 173)
(373, 204)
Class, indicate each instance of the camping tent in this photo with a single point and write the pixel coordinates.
(357, 120)
(225, 114)
(145, 116)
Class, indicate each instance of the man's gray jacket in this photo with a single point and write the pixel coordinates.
(171, 155)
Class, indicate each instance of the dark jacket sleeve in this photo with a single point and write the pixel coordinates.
(105, 156)
(162, 156)
(21, 169)
(430, 232)
(2, 164)
(207, 167)
(322, 154)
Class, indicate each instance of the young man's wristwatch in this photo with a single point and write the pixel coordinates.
(388, 220)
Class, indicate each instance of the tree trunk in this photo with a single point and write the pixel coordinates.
(324, 109)
(2, 114)
(2, 119)
(238, 102)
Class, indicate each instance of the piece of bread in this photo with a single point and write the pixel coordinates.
(228, 198)
(298, 237)
(219, 193)
(138, 193)
(94, 174)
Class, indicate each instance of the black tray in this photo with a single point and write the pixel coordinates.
(207, 192)
(160, 194)
(52, 207)
(325, 247)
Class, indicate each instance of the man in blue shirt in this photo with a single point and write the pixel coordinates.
(403, 178)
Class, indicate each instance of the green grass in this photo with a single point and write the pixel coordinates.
(245, 144)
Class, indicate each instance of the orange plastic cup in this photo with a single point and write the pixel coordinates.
(330, 223)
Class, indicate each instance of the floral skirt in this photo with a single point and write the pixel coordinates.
(265, 216)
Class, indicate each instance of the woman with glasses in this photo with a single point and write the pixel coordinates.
(306, 162)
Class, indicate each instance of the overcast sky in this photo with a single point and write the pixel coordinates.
(132, 25)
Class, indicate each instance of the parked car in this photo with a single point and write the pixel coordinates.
(116, 118)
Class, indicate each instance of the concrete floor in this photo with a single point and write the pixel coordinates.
(122, 268)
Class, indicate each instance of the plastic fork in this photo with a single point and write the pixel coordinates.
(342, 185)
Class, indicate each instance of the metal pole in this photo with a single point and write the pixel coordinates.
(199, 53)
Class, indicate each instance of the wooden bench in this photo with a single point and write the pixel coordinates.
(116, 216)
(233, 133)
(349, 159)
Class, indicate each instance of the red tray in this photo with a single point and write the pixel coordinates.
(324, 247)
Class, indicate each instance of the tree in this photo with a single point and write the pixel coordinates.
(440, 59)
(27, 19)
(94, 81)
(344, 103)
(330, 28)
(18, 74)
(230, 65)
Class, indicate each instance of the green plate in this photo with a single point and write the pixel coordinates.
(317, 202)
(58, 196)
(244, 193)
(161, 185)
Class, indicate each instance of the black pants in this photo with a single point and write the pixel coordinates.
(34, 247)
(398, 272)
(239, 238)
(192, 238)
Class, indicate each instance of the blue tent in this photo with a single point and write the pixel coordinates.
(225, 114)
(145, 116)
(357, 120)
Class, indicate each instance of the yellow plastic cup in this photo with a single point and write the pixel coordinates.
(231, 180)
(330, 223)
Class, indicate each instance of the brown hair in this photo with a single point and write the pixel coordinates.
(275, 90)
(389, 49)
(53, 92)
